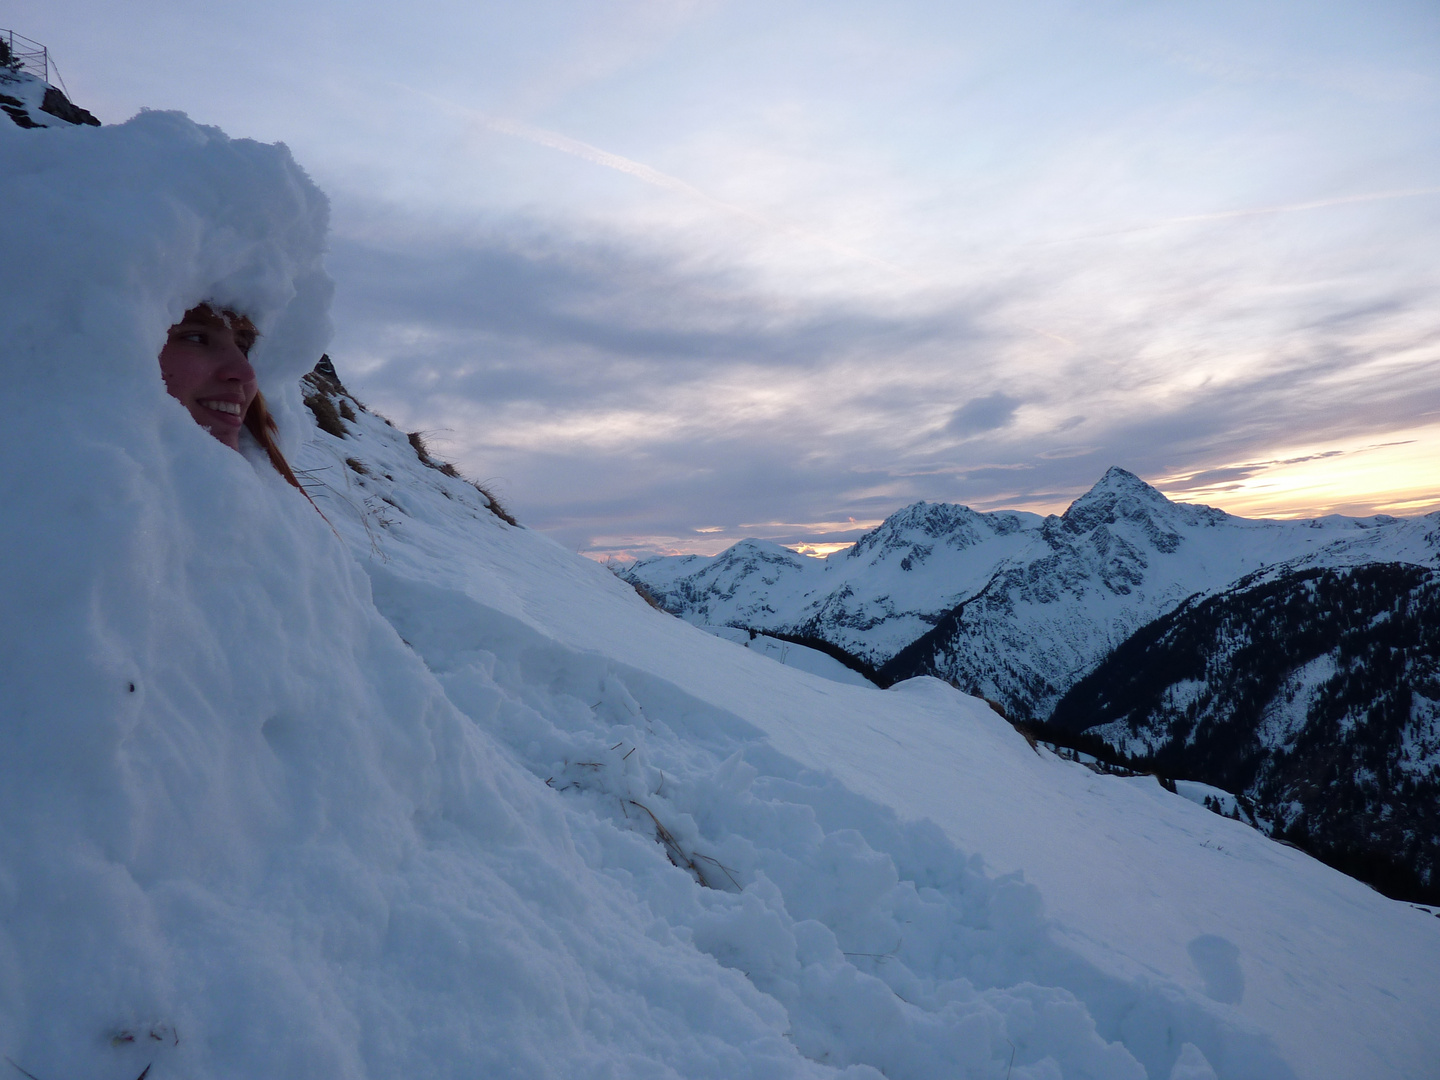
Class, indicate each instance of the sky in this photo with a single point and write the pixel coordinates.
(666, 274)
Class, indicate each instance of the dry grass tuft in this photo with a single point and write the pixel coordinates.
(417, 443)
(495, 507)
(327, 417)
(678, 856)
(422, 451)
(646, 595)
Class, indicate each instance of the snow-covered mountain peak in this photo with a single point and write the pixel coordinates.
(924, 523)
(1006, 603)
(1118, 479)
(752, 556)
(1122, 496)
(767, 550)
(1116, 487)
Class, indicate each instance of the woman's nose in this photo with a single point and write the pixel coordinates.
(235, 365)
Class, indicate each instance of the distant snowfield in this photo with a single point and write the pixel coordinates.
(800, 657)
(411, 792)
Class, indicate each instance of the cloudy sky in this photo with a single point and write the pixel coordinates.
(668, 273)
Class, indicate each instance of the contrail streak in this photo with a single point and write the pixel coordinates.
(553, 140)
(1225, 215)
(566, 145)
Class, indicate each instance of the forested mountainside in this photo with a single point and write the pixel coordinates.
(1010, 605)
(1314, 693)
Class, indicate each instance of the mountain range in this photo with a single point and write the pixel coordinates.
(1290, 663)
(1009, 605)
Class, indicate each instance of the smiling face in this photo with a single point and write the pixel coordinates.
(206, 368)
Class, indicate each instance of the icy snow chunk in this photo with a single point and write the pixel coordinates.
(1191, 1065)
(1218, 962)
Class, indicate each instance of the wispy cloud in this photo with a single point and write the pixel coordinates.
(620, 393)
(1258, 211)
(851, 255)
(646, 174)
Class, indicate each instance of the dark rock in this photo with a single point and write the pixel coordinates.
(19, 115)
(58, 105)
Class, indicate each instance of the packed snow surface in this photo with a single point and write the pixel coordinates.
(407, 791)
(801, 657)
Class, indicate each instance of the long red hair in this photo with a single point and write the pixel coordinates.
(261, 425)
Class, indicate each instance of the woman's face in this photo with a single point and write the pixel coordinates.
(205, 368)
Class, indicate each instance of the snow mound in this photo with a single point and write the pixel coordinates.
(246, 833)
(407, 791)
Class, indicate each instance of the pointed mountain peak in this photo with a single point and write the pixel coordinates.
(1122, 495)
(1119, 483)
(1119, 479)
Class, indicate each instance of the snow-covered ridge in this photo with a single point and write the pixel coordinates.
(1012, 605)
(409, 791)
(33, 103)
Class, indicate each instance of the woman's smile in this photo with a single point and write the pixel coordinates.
(206, 367)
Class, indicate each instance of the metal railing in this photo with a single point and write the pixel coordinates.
(17, 50)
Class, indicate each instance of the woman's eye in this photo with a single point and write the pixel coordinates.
(197, 337)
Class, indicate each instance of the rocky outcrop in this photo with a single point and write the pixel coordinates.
(33, 103)
(58, 105)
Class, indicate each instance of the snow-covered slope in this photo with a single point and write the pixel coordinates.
(1009, 605)
(792, 654)
(1145, 901)
(408, 791)
(1143, 897)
